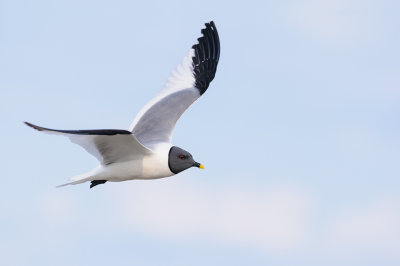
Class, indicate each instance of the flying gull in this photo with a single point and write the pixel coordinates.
(145, 150)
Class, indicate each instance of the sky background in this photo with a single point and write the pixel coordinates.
(299, 133)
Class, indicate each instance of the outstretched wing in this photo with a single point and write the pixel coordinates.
(156, 121)
(107, 145)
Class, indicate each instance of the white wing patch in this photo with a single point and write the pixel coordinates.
(180, 78)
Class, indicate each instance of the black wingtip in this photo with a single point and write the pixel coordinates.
(34, 126)
(206, 57)
(108, 132)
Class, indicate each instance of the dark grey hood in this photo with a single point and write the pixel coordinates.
(180, 160)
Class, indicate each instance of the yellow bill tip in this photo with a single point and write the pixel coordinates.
(201, 166)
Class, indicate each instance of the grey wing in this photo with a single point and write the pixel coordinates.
(156, 121)
(107, 145)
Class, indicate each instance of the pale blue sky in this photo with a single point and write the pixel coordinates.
(299, 133)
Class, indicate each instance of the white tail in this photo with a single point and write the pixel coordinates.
(78, 179)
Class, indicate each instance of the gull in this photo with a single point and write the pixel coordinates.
(145, 151)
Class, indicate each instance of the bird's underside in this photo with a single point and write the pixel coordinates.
(144, 152)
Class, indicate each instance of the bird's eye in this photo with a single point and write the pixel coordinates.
(182, 157)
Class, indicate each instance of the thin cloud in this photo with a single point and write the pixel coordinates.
(271, 218)
(371, 228)
(338, 22)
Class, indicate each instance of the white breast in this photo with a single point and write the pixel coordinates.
(156, 164)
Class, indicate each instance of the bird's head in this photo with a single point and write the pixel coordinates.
(180, 160)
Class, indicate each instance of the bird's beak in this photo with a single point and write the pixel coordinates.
(199, 165)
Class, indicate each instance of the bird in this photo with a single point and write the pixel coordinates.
(145, 150)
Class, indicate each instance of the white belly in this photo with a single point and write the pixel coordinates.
(150, 167)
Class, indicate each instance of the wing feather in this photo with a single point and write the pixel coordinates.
(190, 79)
(107, 145)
